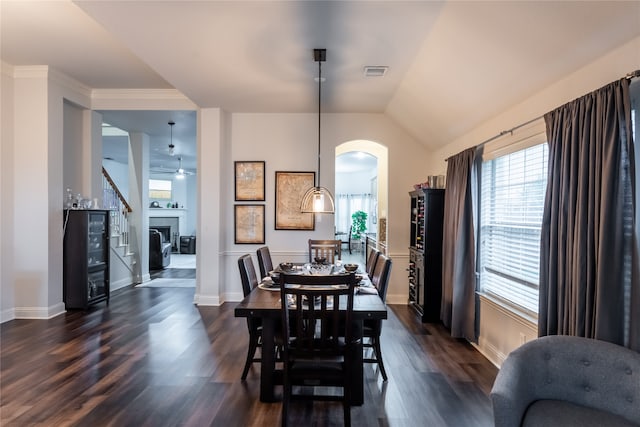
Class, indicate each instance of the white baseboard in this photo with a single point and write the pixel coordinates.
(396, 299)
(7, 315)
(206, 300)
(233, 297)
(119, 284)
(39, 312)
(490, 352)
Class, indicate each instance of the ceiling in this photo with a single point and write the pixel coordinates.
(452, 65)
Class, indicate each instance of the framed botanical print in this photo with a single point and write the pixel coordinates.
(249, 181)
(290, 187)
(249, 224)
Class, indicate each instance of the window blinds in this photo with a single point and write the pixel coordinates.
(513, 188)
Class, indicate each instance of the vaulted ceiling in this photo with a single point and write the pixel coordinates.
(452, 64)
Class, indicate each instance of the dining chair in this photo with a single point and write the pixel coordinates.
(371, 261)
(317, 344)
(249, 282)
(330, 250)
(372, 329)
(264, 261)
(340, 235)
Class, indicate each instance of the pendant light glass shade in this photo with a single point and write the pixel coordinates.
(318, 199)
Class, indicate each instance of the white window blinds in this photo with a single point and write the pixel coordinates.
(513, 188)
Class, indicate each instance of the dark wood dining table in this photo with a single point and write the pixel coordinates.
(265, 304)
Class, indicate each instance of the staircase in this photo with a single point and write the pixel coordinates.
(122, 259)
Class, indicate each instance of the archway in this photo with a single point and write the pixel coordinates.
(376, 184)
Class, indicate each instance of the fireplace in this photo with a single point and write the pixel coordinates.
(170, 229)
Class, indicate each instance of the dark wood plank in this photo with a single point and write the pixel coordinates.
(152, 358)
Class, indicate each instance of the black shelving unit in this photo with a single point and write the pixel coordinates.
(86, 258)
(425, 253)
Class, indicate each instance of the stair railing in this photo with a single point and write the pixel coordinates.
(120, 209)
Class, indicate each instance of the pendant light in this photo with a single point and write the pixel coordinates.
(171, 146)
(318, 199)
(180, 171)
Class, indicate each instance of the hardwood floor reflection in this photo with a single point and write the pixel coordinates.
(153, 358)
(173, 273)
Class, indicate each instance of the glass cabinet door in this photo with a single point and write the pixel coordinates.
(97, 236)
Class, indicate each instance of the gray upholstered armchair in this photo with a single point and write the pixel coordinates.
(568, 381)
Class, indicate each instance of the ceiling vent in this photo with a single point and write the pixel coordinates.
(375, 70)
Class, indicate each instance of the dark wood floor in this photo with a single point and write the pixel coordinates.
(153, 358)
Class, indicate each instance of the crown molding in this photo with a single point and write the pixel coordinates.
(30, 71)
(49, 73)
(140, 99)
(69, 83)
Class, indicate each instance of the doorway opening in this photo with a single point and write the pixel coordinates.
(361, 198)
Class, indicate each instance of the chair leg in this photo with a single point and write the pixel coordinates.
(286, 397)
(346, 405)
(378, 352)
(253, 344)
(347, 414)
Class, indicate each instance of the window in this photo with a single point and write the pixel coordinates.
(159, 189)
(513, 188)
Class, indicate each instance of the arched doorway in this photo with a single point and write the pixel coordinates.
(361, 183)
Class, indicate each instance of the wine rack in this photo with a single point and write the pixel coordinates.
(425, 253)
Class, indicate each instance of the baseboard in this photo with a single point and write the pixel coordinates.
(206, 300)
(233, 297)
(119, 284)
(396, 299)
(490, 352)
(7, 315)
(39, 312)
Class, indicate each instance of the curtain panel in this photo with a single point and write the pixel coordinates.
(588, 261)
(458, 307)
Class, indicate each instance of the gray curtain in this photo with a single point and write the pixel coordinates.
(458, 248)
(588, 261)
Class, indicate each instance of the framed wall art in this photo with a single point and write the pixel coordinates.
(249, 224)
(249, 181)
(290, 187)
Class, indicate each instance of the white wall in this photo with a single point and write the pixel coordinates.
(33, 194)
(286, 143)
(7, 260)
(119, 173)
(501, 331)
(72, 149)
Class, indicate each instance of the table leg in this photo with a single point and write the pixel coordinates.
(357, 374)
(268, 364)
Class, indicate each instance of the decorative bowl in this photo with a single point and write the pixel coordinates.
(351, 267)
(286, 266)
(319, 269)
(319, 260)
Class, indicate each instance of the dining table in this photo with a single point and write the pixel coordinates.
(264, 302)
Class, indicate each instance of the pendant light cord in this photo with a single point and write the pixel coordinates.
(319, 105)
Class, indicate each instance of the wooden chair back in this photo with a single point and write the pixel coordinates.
(322, 328)
(247, 274)
(381, 274)
(317, 347)
(371, 261)
(330, 250)
(264, 261)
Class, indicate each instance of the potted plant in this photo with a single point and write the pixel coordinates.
(358, 224)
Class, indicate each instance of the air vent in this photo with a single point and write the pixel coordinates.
(375, 70)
